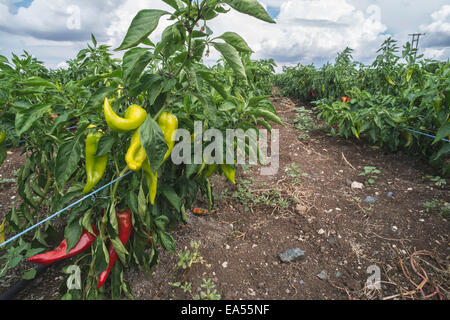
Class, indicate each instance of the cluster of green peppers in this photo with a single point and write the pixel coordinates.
(136, 158)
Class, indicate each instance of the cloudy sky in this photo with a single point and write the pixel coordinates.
(307, 31)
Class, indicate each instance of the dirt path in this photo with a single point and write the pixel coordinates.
(309, 205)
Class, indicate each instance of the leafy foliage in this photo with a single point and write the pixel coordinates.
(54, 110)
(394, 93)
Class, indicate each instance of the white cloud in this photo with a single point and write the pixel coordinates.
(437, 32)
(441, 21)
(307, 31)
(431, 53)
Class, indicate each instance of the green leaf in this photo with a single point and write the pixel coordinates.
(444, 150)
(134, 62)
(105, 145)
(69, 154)
(26, 118)
(172, 196)
(94, 41)
(62, 119)
(443, 132)
(120, 250)
(167, 241)
(72, 234)
(198, 48)
(98, 97)
(236, 41)
(86, 221)
(100, 257)
(37, 82)
(172, 3)
(153, 141)
(29, 275)
(231, 55)
(3, 153)
(210, 79)
(250, 7)
(267, 115)
(254, 101)
(143, 24)
(142, 205)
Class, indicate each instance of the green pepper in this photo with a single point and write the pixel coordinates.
(211, 170)
(136, 155)
(2, 136)
(152, 181)
(134, 117)
(95, 166)
(169, 125)
(229, 172)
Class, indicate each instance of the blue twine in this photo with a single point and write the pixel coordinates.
(424, 134)
(61, 211)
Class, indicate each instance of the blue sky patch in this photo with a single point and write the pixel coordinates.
(273, 11)
(20, 4)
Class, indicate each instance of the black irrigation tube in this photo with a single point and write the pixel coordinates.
(22, 284)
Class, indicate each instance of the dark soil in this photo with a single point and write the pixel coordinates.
(318, 213)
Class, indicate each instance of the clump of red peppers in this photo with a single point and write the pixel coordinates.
(124, 220)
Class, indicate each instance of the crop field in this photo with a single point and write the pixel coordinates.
(160, 177)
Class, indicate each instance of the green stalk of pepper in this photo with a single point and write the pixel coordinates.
(169, 125)
(95, 166)
(229, 172)
(152, 181)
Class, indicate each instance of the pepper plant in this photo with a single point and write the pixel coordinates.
(384, 101)
(126, 115)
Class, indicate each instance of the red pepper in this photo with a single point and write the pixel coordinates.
(60, 252)
(124, 221)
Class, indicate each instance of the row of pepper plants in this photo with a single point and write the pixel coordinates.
(104, 119)
(377, 102)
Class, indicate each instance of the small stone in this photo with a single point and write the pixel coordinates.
(357, 185)
(331, 241)
(225, 264)
(370, 199)
(301, 282)
(339, 274)
(422, 220)
(323, 275)
(394, 228)
(348, 182)
(291, 255)
(301, 209)
(389, 194)
(321, 231)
